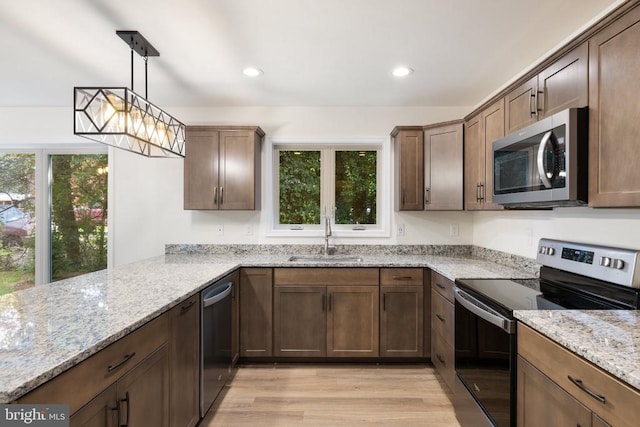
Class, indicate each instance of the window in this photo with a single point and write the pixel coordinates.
(66, 192)
(341, 181)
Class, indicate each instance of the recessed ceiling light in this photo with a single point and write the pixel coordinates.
(401, 71)
(252, 72)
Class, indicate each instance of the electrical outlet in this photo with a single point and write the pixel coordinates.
(249, 230)
(219, 230)
(400, 229)
(454, 230)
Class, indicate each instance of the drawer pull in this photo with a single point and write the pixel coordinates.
(124, 360)
(188, 305)
(401, 277)
(440, 318)
(440, 286)
(441, 359)
(600, 398)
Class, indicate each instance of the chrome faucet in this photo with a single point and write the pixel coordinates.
(327, 234)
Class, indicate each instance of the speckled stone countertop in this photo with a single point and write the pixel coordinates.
(609, 339)
(47, 329)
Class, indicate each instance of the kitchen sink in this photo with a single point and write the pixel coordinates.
(328, 258)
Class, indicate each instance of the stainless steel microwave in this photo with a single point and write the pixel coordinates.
(544, 164)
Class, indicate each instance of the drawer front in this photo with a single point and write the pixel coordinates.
(442, 316)
(620, 401)
(443, 285)
(401, 276)
(81, 383)
(442, 358)
(326, 276)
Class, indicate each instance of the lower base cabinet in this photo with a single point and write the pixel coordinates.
(300, 325)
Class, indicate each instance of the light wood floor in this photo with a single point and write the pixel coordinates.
(334, 395)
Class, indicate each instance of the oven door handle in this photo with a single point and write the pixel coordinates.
(484, 311)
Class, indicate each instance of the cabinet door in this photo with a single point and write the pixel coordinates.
(256, 312)
(614, 175)
(300, 321)
(520, 105)
(201, 169)
(541, 402)
(353, 321)
(237, 182)
(565, 83)
(443, 168)
(473, 163)
(409, 169)
(184, 363)
(99, 412)
(144, 392)
(401, 321)
(493, 129)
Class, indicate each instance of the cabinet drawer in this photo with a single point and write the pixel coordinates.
(82, 382)
(620, 401)
(442, 315)
(443, 285)
(442, 358)
(326, 276)
(401, 276)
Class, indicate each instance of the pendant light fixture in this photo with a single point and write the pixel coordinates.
(119, 117)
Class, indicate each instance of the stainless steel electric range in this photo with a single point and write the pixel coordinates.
(572, 276)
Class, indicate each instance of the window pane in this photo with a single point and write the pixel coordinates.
(299, 187)
(356, 187)
(78, 214)
(17, 221)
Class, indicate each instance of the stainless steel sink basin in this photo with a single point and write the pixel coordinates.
(327, 259)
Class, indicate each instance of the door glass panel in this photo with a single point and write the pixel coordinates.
(356, 187)
(299, 187)
(17, 221)
(78, 214)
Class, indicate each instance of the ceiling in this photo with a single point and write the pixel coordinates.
(312, 52)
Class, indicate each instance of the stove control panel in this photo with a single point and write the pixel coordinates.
(615, 265)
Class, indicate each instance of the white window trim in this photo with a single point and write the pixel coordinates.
(270, 189)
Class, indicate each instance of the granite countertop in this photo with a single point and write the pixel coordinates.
(609, 339)
(47, 329)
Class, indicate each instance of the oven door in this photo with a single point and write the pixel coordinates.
(485, 363)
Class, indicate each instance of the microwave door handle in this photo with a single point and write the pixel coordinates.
(483, 311)
(541, 170)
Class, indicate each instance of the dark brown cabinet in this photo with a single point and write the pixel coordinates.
(480, 132)
(562, 85)
(222, 168)
(443, 167)
(401, 312)
(256, 312)
(442, 327)
(184, 340)
(614, 176)
(326, 312)
(100, 412)
(408, 142)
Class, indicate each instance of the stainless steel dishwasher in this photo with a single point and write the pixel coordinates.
(215, 339)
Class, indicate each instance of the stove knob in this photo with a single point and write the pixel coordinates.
(605, 261)
(551, 251)
(542, 250)
(618, 264)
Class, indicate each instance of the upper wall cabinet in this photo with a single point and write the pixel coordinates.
(222, 168)
(614, 119)
(428, 167)
(562, 85)
(443, 166)
(480, 132)
(408, 142)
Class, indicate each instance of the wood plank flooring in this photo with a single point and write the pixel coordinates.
(334, 395)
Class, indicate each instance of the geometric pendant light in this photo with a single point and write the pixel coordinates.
(119, 117)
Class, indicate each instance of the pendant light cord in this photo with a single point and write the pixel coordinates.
(146, 62)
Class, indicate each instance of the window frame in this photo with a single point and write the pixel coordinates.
(327, 150)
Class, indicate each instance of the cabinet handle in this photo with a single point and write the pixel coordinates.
(401, 277)
(441, 359)
(215, 195)
(532, 102)
(188, 305)
(125, 400)
(440, 318)
(402, 203)
(482, 192)
(578, 382)
(124, 360)
(538, 108)
(441, 286)
(384, 302)
(426, 196)
(478, 193)
(221, 195)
